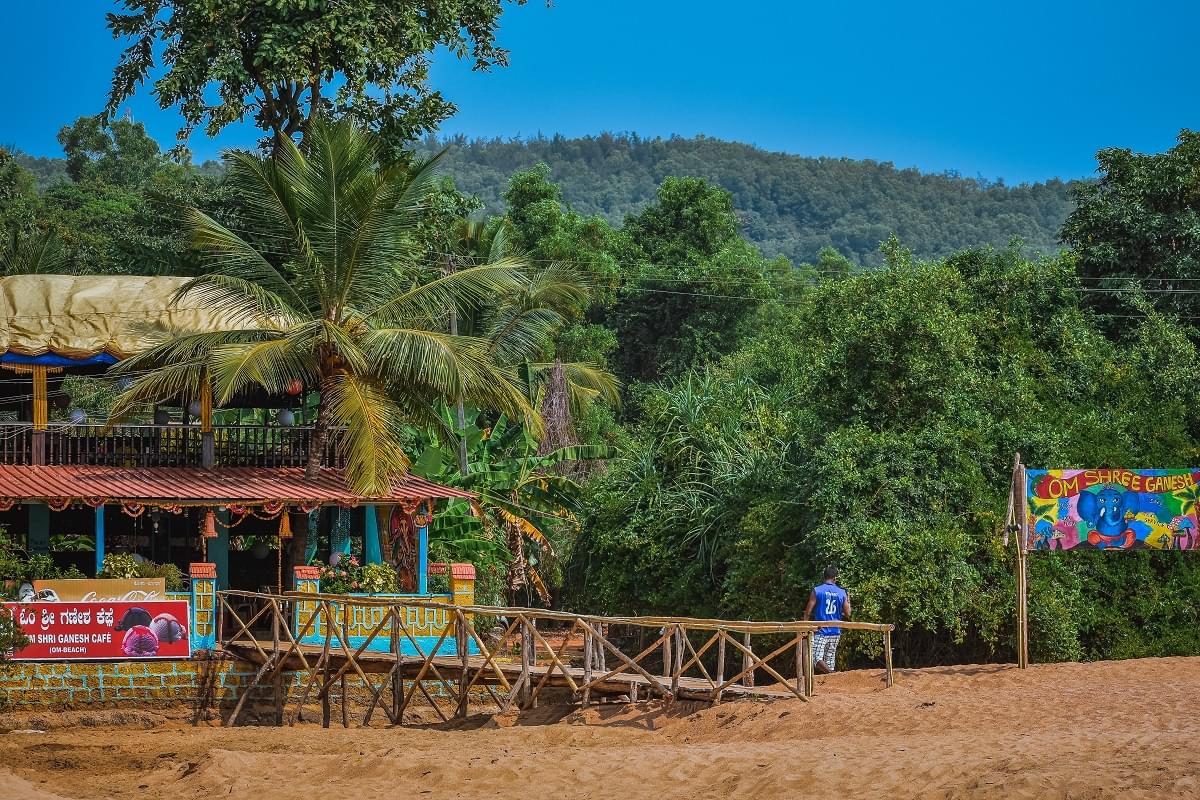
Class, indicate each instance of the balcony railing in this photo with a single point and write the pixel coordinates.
(160, 446)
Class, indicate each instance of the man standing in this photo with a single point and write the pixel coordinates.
(826, 603)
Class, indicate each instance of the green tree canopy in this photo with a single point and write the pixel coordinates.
(284, 62)
(1137, 229)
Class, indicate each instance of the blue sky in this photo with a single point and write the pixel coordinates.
(1019, 90)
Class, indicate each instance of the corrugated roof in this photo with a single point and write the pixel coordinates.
(184, 485)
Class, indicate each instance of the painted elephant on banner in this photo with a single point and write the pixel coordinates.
(1108, 512)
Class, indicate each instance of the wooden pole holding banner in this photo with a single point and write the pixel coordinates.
(1021, 523)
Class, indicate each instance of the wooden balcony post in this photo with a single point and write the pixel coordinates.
(41, 414)
(207, 450)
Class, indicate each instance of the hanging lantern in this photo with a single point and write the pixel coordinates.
(78, 416)
(295, 387)
(285, 417)
(161, 416)
(193, 409)
(210, 525)
(285, 525)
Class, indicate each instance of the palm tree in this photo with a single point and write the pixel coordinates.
(37, 253)
(522, 505)
(330, 287)
(521, 326)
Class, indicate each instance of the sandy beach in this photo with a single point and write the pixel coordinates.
(1115, 729)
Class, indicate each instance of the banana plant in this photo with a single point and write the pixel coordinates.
(524, 511)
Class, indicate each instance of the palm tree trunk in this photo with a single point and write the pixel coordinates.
(517, 563)
(461, 410)
(320, 436)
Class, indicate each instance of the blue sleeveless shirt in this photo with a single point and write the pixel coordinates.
(830, 600)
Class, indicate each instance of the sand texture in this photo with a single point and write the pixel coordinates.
(1117, 729)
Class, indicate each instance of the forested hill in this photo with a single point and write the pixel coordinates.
(788, 204)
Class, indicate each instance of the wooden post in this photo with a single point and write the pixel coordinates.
(207, 448)
(747, 660)
(461, 642)
(800, 687)
(810, 683)
(325, 658)
(587, 665)
(887, 657)
(41, 414)
(677, 666)
(526, 656)
(1022, 586)
(668, 662)
(720, 664)
(219, 607)
(345, 654)
(398, 674)
(278, 681)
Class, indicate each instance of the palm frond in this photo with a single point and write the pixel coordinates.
(372, 437)
(463, 289)
(270, 365)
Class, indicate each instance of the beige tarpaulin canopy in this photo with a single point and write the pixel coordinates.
(80, 316)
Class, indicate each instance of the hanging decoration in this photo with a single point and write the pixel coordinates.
(424, 515)
(94, 502)
(339, 534)
(285, 526)
(172, 508)
(210, 525)
(133, 509)
(7, 504)
(58, 503)
(308, 508)
(272, 507)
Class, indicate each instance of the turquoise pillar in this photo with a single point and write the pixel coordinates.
(218, 550)
(310, 550)
(371, 549)
(423, 560)
(39, 528)
(99, 539)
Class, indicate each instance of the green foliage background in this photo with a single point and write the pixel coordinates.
(795, 394)
(786, 205)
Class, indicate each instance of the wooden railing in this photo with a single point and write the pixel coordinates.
(618, 657)
(137, 446)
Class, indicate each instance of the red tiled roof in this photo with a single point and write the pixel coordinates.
(241, 485)
(202, 569)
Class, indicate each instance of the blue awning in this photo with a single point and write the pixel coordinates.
(52, 360)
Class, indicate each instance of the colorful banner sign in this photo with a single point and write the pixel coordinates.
(106, 631)
(101, 589)
(1107, 509)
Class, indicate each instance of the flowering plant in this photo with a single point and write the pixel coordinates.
(348, 576)
(334, 579)
(378, 579)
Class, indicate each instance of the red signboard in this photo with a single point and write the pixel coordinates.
(102, 631)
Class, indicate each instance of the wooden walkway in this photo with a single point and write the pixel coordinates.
(674, 657)
(622, 684)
